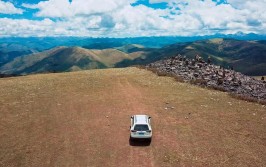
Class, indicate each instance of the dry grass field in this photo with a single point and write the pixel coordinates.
(83, 118)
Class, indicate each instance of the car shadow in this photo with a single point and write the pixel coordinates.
(139, 143)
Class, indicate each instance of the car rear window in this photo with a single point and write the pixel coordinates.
(141, 127)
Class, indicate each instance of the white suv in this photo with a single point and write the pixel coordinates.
(140, 127)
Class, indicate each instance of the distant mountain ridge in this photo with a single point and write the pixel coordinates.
(248, 57)
(12, 47)
(61, 59)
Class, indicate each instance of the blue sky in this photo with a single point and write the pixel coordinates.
(130, 18)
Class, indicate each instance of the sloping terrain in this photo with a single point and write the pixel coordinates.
(9, 52)
(61, 59)
(130, 48)
(149, 55)
(208, 75)
(83, 118)
(248, 57)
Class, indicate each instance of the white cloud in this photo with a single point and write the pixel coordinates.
(63, 8)
(117, 18)
(78, 26)
(9, 8)
(51, 8)
(24, 27)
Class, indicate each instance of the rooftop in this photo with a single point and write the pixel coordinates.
(141, 118)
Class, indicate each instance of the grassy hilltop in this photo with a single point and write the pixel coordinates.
(83, 118)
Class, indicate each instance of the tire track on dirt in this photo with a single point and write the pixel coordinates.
(138, 155)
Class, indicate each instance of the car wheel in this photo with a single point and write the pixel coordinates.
(131, 139)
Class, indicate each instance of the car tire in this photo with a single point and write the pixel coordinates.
(131, 139)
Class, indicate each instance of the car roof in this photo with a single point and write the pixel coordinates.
(141, 119)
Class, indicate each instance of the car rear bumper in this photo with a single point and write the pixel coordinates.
(141, 136)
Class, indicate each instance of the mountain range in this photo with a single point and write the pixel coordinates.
(11, 47)
(246, 56)
(61, 59)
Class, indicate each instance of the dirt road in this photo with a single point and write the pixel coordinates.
(83, 118)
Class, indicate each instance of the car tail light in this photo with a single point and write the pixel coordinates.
(148, 131)
(133, 131)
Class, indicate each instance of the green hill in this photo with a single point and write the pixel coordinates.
(130, 48)
(61, 59)
(248, 57)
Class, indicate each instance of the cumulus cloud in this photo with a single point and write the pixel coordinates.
(78, 26)
(118, 18)
(65, 8)
(51, 8)
(107, 21)
(25, 27)
(9, 8)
